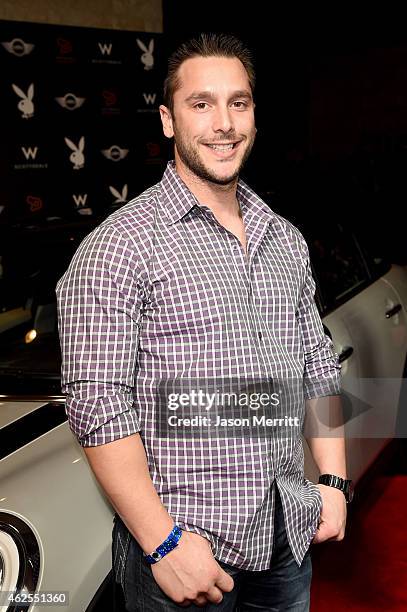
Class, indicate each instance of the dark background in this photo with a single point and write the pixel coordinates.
(331, 108)
(331, 102)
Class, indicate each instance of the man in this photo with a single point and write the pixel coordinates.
(193, 280)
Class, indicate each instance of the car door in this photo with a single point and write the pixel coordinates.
(369, 330)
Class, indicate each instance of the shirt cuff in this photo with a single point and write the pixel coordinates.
(322, 387)
(120, 426)
(100, 412)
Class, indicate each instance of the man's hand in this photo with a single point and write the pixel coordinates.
(333, 515)
(190, 574)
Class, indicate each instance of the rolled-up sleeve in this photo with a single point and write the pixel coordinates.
(322, 369)
(99, 305)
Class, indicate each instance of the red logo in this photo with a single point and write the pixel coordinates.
(64, 46)
(110, 97)
(153, 149)
(34, 203)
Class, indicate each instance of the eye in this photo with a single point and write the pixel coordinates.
(240, 104)
(201, 105)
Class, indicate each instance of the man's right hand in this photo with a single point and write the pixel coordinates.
(190, 574)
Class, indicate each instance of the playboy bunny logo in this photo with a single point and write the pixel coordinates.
(120, 197)
(147, 57)
(77, 158)
(26, 105)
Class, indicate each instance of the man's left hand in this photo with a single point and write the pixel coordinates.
(333, 515)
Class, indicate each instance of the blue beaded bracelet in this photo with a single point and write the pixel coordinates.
(169, 544)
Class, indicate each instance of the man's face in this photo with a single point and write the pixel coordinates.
(213, 118)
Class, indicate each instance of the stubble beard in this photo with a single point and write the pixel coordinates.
(192, 160)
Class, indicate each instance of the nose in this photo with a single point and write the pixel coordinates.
(222, 120)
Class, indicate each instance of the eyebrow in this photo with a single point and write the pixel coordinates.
(207, 95)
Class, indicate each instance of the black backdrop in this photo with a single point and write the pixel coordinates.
(62, 87)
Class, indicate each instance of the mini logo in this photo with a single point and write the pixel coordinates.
(105, 48)
(149, 98)
(115, 153)
(120, 197)
(25, 105)
(34, 203)
(29, 153)
(18, 47)
(110, 97)
(77, 158)
(64, 46)
(147, 57)
(70, 101)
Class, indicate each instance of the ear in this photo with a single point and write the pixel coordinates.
(151, 46)
(114, 192)
(141, 45)
(166, 120)
(70, 144)
(30, 92)
(18, 91)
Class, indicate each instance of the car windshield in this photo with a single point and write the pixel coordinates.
(32, 259)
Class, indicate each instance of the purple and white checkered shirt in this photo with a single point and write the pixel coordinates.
(161, 290)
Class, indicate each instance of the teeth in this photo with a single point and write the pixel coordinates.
(222, 147)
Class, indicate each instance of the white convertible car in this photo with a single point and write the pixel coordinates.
(55, 524)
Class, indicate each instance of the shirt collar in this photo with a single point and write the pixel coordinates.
(179, 200)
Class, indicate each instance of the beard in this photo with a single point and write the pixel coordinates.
(192, 160)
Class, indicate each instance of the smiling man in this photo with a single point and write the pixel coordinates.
(198, 280)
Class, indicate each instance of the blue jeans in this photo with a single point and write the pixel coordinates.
(284, 586)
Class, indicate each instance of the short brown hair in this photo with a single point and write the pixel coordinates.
(205, 45)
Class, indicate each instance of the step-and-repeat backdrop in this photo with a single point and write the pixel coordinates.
(80, 127)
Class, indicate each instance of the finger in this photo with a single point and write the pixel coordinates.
(214, 595)
(323, 535)
(320, 534)
(200, 601)
(224, 581)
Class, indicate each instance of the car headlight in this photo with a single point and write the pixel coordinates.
(19, 557)
(9, 563)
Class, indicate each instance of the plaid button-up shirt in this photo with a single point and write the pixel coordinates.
(160, 290)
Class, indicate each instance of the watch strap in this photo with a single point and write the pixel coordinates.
(331, 480)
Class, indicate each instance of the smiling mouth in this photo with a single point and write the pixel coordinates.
(227, 147)
(222, 147)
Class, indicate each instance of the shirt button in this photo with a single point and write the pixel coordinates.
(260, 335)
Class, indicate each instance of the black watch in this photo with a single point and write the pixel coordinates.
(339, 483)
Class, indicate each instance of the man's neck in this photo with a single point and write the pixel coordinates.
(221, 199)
